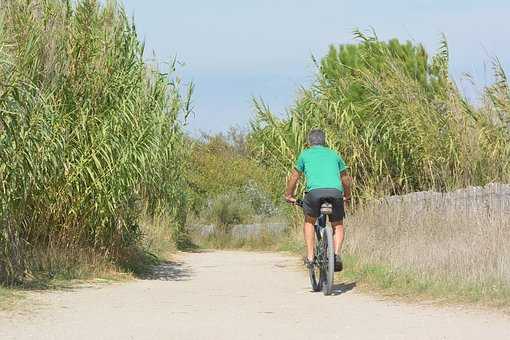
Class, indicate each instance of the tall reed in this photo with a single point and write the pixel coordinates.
(90, 134)
(397, 118)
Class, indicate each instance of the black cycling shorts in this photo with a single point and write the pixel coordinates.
(314, 198)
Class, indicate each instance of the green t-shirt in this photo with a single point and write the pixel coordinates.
(322, 168)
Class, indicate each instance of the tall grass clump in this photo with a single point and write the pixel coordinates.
(89, 136)
(437, 243)
(396, 116)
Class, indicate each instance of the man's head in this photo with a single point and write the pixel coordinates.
(316, 137)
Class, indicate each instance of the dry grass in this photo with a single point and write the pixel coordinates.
(8, 298)
(158, 238)
(59, 268)
(265, 240)
(55, 267)
(446, 245)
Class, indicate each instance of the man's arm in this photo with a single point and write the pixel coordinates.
(346, 182)
(291, 186)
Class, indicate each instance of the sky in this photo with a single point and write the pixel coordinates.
(235, 50)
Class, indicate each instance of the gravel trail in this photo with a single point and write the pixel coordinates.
(237, 295)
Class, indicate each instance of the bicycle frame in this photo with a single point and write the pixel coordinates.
(319, 226)
(321, 221)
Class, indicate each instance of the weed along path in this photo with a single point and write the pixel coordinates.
(236, 295)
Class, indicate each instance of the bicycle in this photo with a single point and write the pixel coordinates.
(322, 270)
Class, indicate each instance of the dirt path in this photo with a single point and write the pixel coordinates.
(237, 295)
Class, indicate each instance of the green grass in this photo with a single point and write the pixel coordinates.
(266, 241)
(412, 286)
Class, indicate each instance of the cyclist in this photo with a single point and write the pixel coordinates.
(326, 178)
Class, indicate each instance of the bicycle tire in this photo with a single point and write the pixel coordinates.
(315, 271)
(328, 269)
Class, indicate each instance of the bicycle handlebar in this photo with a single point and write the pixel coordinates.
(299, 203)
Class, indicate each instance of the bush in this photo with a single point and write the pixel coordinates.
(227, 210)
(220, 166)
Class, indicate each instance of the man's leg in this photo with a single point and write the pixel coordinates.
(338, 228)
(309, 231)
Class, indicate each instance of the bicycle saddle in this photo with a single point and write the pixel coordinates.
(326, 208)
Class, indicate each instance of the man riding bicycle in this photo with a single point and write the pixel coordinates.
(326, 179)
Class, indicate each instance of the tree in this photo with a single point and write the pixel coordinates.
(352, 61)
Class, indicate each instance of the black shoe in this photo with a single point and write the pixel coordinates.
(339, 266)
(309, 264)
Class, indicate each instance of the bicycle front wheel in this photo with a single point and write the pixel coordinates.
(315, 270)
(328, 268)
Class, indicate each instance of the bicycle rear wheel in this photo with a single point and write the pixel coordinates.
(328, 265)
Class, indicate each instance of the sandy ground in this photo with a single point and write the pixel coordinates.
(237, 295)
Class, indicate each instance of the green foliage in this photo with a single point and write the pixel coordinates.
(227, 210)
(397, 119)
(89, 134)
(411, 284)
(351, 61)
(220, 167)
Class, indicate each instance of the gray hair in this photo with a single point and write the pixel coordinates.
(316, 137)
